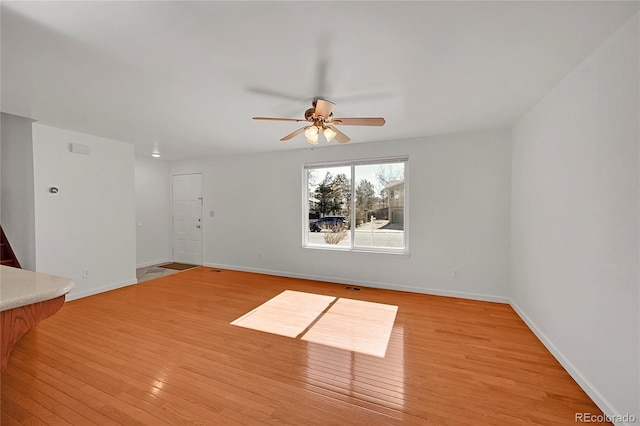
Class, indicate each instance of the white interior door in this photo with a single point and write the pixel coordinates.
(187, 218)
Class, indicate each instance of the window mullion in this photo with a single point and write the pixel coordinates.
(352, 219)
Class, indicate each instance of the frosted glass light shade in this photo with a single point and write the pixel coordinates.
(329, 133)
(312, 135)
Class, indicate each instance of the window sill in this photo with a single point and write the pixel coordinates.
(400, 253)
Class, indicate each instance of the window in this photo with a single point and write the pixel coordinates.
(358, 205)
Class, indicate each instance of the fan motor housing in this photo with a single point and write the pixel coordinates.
(308, 115)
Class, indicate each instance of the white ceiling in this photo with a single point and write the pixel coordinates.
(188, 76)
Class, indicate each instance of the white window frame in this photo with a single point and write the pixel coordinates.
(353, 163)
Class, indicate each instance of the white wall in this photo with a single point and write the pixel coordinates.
(1, 138)
(575, 202)
(459, 215)
(90, 223)
(18, 219)
(153, 212)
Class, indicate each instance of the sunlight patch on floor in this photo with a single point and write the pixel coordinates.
(287, 314)
(353, 325)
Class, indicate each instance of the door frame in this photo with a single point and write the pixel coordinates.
(202, 180)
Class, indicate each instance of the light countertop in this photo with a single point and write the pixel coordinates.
(19, 287)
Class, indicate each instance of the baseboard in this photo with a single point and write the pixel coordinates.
(153, 263)
(582, 381)
(73, 296)
(373, 284)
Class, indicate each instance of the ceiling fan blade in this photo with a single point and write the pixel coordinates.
(322, 65)
(359, 97)
(323, 108)
(363, 121)
(268, 92)
(340, 137)
(279, 119)
(294, 134)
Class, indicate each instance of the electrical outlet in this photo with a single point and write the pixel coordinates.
(85, 273)
(455, 274)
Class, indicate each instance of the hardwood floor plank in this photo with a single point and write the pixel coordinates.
(170, 388)
(7, 420)
(55, 391)
(120, 412)
(35, 408)
(164, 352)
(50, 403)
(11, 411)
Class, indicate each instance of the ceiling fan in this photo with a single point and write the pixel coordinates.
(320, 115)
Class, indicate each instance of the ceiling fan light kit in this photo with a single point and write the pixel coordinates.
(329, 133)
(312, 134)
(320, 115)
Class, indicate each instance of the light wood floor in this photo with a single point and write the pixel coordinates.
(163, 352)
